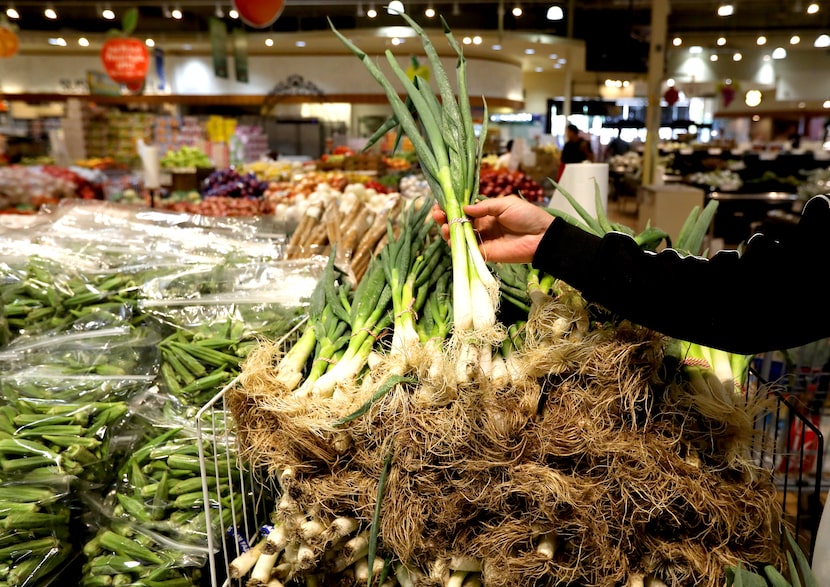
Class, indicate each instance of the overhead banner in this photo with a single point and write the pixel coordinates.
(219, 47)
(240, 54)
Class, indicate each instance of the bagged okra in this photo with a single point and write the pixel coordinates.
(35, 543)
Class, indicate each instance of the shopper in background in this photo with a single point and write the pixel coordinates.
(506, 158)
(767, 298)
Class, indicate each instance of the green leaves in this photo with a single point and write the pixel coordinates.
(798, 567)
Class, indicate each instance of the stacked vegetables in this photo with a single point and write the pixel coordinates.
(421, 433)
(99, 351)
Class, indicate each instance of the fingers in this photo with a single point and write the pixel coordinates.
(490, 206)
(438, 214)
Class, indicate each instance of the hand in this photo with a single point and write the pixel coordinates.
(509, 227)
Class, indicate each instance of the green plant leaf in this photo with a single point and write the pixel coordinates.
(129, 21)
(804, 572)
(776, 578)
(740, 577)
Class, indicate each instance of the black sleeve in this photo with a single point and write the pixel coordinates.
(770, 297)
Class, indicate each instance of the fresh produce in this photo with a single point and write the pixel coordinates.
(542, 441)
(497, 181)
(185, 157)
(230, 183)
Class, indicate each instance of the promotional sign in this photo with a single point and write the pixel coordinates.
(126, 59)
(240, 54)
(259, 13)
(218, 47)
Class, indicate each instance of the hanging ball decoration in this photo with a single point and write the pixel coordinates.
(126, 60)
(9, 42)
(671, 96)
(259, 13)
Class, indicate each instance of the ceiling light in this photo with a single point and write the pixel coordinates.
(108, 13)
(795, 40)
(539, 70)
(269, 42)
(83, 42)
(49, 12)
(813, 8)
(467, 40)
(713, 57)
(476, 40)
(57, 41)
(397, 40)
(149, 42)
(826, 104)
(696, 50)
(176, 13)
(677, 41)
(530, 51)
(12, 12)
(726, 10)
(517, 10)
(429, 12)
(395, 7)
(299, 44)
(555, 13)
(753, 98)
(761, 40)
(496, 47)
(670, 83)
(721, 41)
(779, 53)
(233, 13)
(822, 41)
(737, 57)
(371, 13)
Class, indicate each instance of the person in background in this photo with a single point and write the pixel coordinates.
(575, 150)
(506, 158)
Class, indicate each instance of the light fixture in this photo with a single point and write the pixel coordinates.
(737, 57)
(176, 13)
(269, 42)
(12, 12)
(795, 40)
(670, 83)
(761, 40)
(395, 7)
(219, 13)
(721, 41)
(149, 42)
(49, 12)
(823, 40)
(726, 9)
(476, 40)
(677, 41)
(826, 104)
(108, 13)
(57, 41)
(299, 44)
(496, 47)
(753, 98)
(813, 8)
(530, 51)
(233, 13)
(553, 56)
(429, 12)
(713, 57)
(396, 41)
(555, 12)
(779, 53)
(467, 40)
(83, 42)
(696, 50)
(371, 13)
(517, 10)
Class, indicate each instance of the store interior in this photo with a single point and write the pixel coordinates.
(233, 349)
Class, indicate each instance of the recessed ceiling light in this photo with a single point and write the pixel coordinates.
(553, 56)
(696, 50)
(429, 12)
(779, 53)
(677, 41)
(269, 42)
(57, 41)
(761, 40)
(737, 57)
(395, 7)
(83, 42)
(467, 40)
(12, 13)
(187, 46)
(826, 104)
(149, 42)
(397, 40)
(517, 10)
(233, 13)
(726, 10)
(530, 51)
(371, 13)
(50, 13)
(496, 47)
(813, 8)
(721, 41)
(713, 57)
(822, 40)
(555, 13)
(476, 40)
(795, 40)
(108, 13)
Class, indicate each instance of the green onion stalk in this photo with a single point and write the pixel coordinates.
(448, 151)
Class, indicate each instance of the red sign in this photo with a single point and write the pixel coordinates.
(259, 13)
(126, 60)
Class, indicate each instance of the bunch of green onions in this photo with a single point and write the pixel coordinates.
(442, 134)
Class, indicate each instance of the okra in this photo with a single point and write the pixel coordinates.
(191, 485)
(112, 564)
(96, 581)
(35, 520)
(68, 441)
(133, 507)
(213, 381)
(141, 454)
(55, 429)
(191, 463)
(207, 355)
(127, 547)
(38, 545)
(160, 498)
(195, 499)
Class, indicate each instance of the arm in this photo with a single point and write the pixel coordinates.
(768, 298)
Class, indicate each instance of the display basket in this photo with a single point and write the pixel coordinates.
(789, 445)
(231, 530)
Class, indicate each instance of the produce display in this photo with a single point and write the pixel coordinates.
(185, 157)
(445, 421)
(24, 189)
(116, 326)
(498, 181)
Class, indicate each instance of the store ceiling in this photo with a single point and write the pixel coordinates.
(616, 32)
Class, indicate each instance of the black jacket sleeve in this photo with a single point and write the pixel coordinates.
(770, 297)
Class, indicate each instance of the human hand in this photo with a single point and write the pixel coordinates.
(509, 228)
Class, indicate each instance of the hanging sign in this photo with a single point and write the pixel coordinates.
(125, 58)
(218, 47)
(240, 55)
(259, 13)
(9, 41)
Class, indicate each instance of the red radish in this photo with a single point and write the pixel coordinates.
(259, 13)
